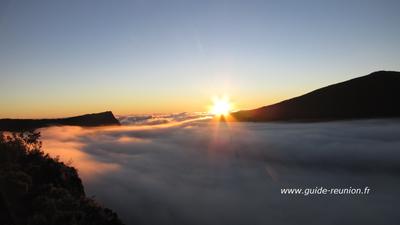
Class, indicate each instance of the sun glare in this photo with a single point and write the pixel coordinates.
(221, 106)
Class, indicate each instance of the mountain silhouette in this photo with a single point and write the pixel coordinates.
(87, 120)
(375, 95)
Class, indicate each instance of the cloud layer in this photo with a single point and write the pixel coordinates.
(155, 119)
(202, 172)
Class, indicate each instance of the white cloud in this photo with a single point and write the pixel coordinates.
(201, 172)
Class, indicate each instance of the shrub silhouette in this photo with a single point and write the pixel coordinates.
(37, 189)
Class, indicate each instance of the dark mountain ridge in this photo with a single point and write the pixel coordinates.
(87, 120)
(375, 95)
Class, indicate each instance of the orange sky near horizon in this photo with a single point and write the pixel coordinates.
(39, 109)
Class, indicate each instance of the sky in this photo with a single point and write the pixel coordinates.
(62, 58)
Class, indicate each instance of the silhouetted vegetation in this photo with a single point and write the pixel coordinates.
(37, 189)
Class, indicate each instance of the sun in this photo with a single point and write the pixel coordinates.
(221, 106)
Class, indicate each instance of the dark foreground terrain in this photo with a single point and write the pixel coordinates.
(88, 120)
(372, 96)
(38, 189)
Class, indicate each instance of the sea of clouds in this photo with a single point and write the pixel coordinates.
(193, 170)
(160, 118)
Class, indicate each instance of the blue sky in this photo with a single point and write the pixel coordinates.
(68, 57)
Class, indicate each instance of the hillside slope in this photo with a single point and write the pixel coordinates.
(376, 95)
(88, 120)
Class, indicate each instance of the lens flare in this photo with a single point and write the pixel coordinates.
(221, 106)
